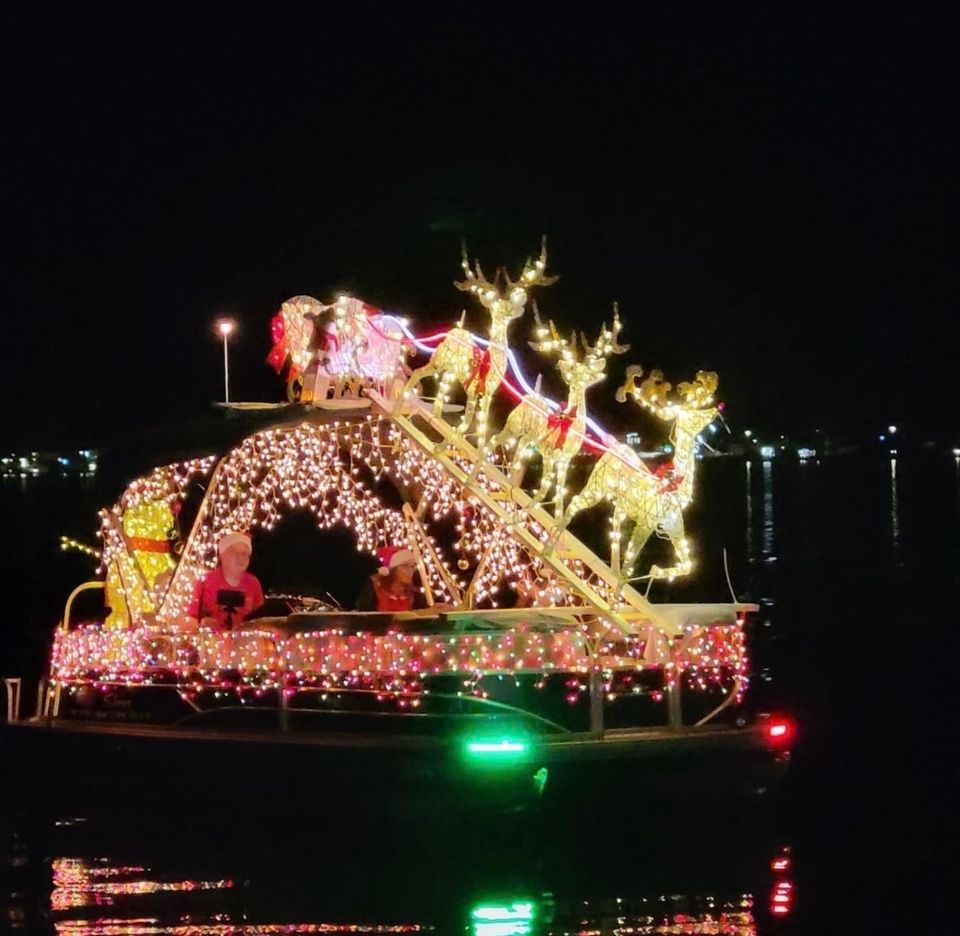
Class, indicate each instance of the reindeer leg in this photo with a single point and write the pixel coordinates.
(546, 479)
(563, 466)
(468, 413)
(672, 526)
(638, 539)
(582, 501)
(615, 522)
(416, 378)
(518, 463)
(443, 393)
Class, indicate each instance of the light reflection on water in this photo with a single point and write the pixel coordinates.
(894, 504)
(768, 527)
(211, 886)
(81, 883)
(140, 902)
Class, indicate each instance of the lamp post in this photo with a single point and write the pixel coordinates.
(225, 327)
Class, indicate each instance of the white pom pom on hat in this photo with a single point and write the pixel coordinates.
(392, 556)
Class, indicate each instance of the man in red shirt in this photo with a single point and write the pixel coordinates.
(228, 594)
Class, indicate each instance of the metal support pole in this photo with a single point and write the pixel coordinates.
(596, 703)
(284, 709)
(226, 372)
(596, 692)
(675, 689)
(13, 698)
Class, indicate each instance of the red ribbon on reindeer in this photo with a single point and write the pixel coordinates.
(671, 481)
(561, 421)
(479, 369)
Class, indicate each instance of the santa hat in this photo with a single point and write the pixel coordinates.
(393, 556)
(229, 540)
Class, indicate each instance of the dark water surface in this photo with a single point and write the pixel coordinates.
(856, 564)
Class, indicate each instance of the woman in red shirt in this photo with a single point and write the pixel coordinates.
(213, 605)
(391, 588)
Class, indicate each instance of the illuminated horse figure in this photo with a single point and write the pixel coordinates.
(653, 500)
(460, 358)
(533, 427)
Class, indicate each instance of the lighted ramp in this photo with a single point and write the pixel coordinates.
(585, 573)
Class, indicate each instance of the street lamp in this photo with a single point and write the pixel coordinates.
(226, 327)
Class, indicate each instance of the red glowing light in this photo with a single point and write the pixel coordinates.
(779, 731)
(780, 864)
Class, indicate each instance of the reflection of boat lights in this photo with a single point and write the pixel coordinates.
(78, 884)
(781, 900)
(506, 919)
(781, 894)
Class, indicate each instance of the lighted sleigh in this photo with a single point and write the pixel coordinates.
(592, 651)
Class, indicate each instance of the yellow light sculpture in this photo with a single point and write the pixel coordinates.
(534, 428)
(653, 501)
(460, 359)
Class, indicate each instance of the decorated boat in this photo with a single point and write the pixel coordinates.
(525, 646)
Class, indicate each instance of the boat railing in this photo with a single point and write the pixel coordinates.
(85, 586)
(13, 686)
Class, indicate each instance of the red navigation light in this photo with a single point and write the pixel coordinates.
(780, 864)
(779, 731)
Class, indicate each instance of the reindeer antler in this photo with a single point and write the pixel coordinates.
(607, 342)
(699, 393)
(653, 394)
(475, 280)
(535, 272)
(630, 387)
(548, 340)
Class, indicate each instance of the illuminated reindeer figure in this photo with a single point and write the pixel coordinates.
(534, 428)
(653, 500)
(459, 359)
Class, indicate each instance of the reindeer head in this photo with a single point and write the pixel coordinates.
(692, 407)
(579, 370)
(505, 301)
(696, 406)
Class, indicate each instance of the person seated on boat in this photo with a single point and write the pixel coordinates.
(390, 588)
(228, 594)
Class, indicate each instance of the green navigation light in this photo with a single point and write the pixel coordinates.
(505, 746)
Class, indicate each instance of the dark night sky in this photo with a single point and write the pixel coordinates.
(775, 202)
